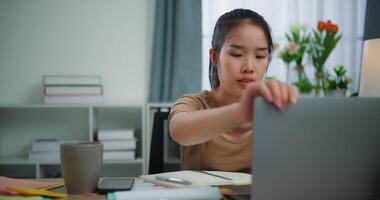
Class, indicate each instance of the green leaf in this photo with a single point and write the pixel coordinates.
(295, 37)
(304, 85)
(288, 37)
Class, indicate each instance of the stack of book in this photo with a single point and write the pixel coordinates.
(118, 143)
(47, 149)
(72, 89)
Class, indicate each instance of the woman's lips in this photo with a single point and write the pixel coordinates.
(245, 82)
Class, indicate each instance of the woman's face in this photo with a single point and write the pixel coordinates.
(243, 59)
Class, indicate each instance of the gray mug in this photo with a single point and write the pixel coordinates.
(81, 165)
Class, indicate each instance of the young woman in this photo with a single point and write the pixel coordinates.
(214, 127)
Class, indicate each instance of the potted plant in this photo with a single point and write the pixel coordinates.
(294, 51)
(318, 45)
(322, 43)
(304, 86)
(337, 85)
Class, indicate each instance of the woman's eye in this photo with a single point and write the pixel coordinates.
(236, 55)
(261, 57)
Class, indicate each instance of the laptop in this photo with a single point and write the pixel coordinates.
(318, 149)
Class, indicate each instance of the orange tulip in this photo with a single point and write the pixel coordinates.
(321, 26)
(329, 25)
(335, 28)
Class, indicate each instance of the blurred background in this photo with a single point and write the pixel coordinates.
(140, 55)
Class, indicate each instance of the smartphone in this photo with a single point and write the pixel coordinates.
(115, 184)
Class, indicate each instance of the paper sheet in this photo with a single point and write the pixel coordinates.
(201, 193)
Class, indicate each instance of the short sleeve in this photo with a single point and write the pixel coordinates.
(186, 103)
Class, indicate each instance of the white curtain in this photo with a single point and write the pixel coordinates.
(348, 14)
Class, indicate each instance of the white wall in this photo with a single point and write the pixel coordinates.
(111, 38)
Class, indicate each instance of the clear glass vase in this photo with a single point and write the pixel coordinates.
(336, 93)
(319, 83)
(301, 82)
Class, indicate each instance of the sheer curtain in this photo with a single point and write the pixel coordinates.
(348, 14)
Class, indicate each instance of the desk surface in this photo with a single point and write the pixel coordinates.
(242, 192)
(73, 196)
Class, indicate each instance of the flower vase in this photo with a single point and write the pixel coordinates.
(305, 94)
(319, 77)
(299, 68)
(292, 74)
(336, 93)
(301, 82)
(288, 72)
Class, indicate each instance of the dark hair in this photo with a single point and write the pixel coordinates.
(227, 23)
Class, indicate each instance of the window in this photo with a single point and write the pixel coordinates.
(348, 14)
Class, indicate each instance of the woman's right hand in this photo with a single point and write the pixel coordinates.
(278, 93)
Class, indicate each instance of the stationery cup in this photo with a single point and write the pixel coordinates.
(81, 165)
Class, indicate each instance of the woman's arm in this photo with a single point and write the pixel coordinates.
(200, 126)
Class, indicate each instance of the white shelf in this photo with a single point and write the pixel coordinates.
(21, 106)
(66, 106)
(14, 160)
(160, 105)
(20, 124)
(122, 161)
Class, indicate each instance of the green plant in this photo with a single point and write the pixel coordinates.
(318, 45)
(298, 39)
(294, 51)
(321, 44)
(304, 85)
(339, 81)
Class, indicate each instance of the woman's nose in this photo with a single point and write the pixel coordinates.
(248, 66)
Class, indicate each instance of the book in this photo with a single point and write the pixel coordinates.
(119, 144)
(40, 145)
(73, 90)
(107, 155)
(115, 134)
(44, 155)
(84, 99)
(200, 178)
(71, 80)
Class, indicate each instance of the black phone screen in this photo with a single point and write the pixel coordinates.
(115, 184)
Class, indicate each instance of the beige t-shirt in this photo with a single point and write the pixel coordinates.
(222, 153)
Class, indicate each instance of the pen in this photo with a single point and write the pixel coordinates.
(172, 180)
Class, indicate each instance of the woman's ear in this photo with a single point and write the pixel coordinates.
(212, 55)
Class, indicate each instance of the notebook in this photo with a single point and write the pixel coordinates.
(199, 178)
